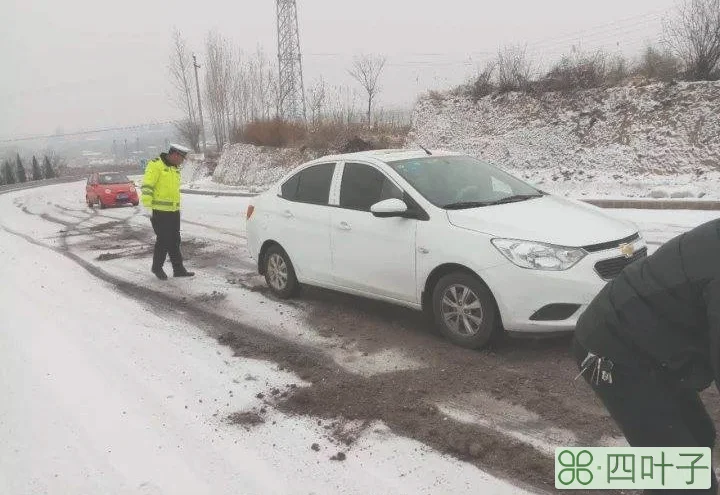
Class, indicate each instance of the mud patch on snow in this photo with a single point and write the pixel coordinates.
(247, 418)
(109, 256)
(214, 296)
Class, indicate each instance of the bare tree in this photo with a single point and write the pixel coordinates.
(694, 35)
(366, 70)
(514, 68)
(483, 84)
(317, 95)
(180, 68)
(59, 165)
(658, 64)
(189, 132)
(218, 83)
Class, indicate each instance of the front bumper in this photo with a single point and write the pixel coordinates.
(118, 199)
(522, 293)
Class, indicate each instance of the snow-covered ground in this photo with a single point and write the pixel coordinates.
(103, 394)
(110, 394)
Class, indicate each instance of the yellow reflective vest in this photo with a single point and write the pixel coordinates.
(161, 186)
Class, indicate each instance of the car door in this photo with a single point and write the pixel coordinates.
(370, 254)
(302, 222)
(92, 188)
(88, 189)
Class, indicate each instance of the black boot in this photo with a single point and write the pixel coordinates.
(160, 273)
(182, 272)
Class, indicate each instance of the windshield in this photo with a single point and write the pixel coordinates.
(113, 179)
(457, 181)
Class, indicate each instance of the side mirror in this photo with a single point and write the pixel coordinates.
(389, 208)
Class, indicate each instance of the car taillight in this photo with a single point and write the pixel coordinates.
(250, 211)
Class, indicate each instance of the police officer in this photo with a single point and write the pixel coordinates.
(161, 194)
(650, 341)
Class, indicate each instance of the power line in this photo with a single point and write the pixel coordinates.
(92, 131)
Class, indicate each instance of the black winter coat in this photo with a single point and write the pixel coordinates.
(663, 310)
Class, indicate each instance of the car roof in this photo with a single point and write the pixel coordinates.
(387, 155)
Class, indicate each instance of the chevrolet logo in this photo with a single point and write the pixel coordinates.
(627, 250)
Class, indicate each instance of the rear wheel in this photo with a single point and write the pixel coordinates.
(100, 203)
(89, 203)
(464, 310)
(280, 274)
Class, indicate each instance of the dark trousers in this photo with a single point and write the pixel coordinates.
(166, 225)
(653, 410)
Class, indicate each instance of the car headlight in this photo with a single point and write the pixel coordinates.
(539, 256)
(108, 191)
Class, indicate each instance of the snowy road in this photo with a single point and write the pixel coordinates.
(117, 383)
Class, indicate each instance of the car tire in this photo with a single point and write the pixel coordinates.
(280, 274)
(135, 204)
(464, 310)
(89, 203)
(101, 204)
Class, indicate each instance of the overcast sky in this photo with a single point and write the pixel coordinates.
(85, 64)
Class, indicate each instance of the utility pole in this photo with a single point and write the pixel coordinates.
(202, 122)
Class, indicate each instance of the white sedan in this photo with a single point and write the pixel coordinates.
(476, 248)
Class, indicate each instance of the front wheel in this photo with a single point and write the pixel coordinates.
(465, 310)
(280, 274)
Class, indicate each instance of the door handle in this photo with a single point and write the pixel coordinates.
(288, 214)
(345, 226)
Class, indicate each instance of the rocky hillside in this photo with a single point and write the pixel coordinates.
(653, 140)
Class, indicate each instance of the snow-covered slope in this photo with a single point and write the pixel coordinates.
(192, 170)
(658, 140)
(255, 168)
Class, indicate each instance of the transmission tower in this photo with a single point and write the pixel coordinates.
(291, 99)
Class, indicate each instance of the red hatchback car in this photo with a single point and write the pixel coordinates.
(110, 189)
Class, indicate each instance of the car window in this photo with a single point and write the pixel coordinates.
(500, 186)
(114, 179)
(289, 188)
(362, 186)
(311, 185)
(449, 180)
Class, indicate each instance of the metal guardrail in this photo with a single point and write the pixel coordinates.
(655, 204)
(40, 183)
(201, 192)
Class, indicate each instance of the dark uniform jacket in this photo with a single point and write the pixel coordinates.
(663, 310)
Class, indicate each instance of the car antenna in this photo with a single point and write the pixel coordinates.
(424, 149)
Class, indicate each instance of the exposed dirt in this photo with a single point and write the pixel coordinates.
(247, 418)
(109, 256)
(214, 296)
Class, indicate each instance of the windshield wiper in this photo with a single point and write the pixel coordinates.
(478, 204)
(466, 204)
(515, 198)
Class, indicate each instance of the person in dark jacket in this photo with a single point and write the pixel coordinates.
(650, 341)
